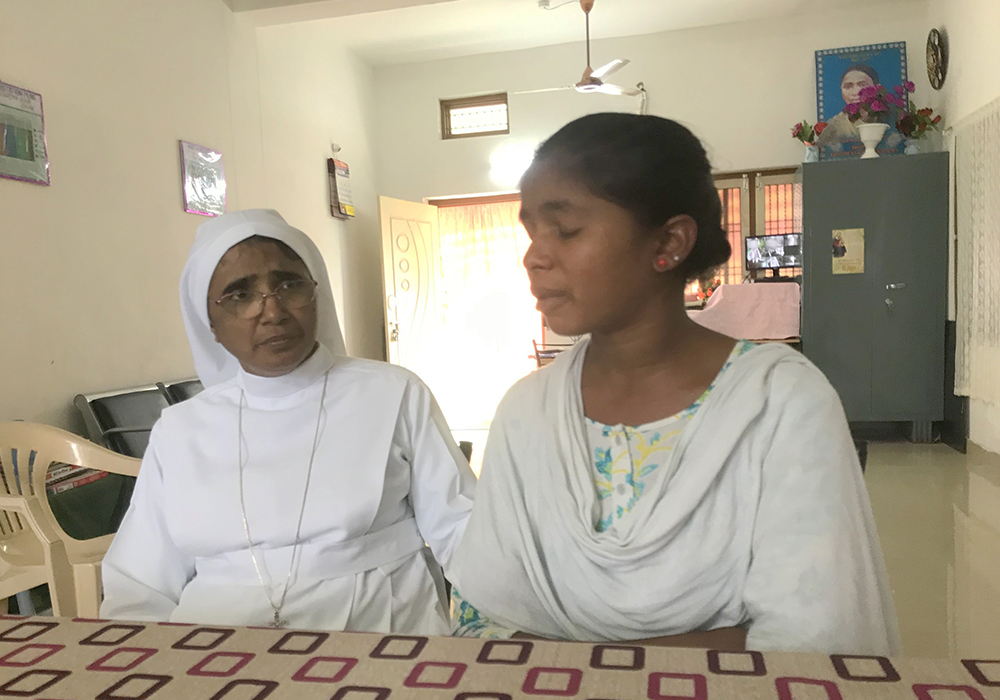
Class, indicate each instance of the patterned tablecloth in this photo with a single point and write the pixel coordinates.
(74, 659)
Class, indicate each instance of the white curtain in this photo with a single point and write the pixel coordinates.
(977, 179)
(489, 316)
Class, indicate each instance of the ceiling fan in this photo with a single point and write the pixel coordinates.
(593, 79)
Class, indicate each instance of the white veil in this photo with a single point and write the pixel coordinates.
(213, 362)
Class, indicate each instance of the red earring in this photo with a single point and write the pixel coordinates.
(661, 263)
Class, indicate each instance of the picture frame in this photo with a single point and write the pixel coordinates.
(840, 75)
(203, 180)
(23, 152)
(341, 199)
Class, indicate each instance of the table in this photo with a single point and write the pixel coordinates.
(60, 659)
(762, 311)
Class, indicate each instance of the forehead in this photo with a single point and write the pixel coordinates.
(255, 258)
(856, 76)
(546, 187)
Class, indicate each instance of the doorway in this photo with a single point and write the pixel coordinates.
(459, 310)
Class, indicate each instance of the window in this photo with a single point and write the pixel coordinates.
(733, 222)
(757, 203)
(474, 116)
(779, 208)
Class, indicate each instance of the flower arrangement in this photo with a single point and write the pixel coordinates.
(874, 103)
(808, 134)
(707, 288)
(913, 123)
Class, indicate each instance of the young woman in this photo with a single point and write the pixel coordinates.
(300, 487)
(659, 481)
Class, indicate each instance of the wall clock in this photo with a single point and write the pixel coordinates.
(937, 58)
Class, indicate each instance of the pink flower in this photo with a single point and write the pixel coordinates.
(899, 90)
(909, 86)
(867, 93)
(852, 108)
(879, 106)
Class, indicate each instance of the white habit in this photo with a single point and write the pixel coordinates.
(387, 478)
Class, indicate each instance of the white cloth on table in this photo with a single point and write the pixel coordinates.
(763, 311)
(761, 518)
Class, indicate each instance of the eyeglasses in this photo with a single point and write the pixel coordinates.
(291, 294)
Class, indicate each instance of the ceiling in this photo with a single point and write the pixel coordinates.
(386, 32)
(322, 8)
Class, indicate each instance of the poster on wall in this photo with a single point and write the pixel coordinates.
(341, 199)
(23, 155)
(841, 75)
(849, 251)
(204, 180)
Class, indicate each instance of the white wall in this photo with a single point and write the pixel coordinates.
(973, 81)
(740, 87)
(312, 93)
(89, 266)
(973, 78)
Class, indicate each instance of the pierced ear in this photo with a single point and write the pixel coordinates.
(676, 239)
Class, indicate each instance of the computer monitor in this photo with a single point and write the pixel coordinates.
(774, 252)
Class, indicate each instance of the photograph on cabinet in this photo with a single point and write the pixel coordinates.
(856, 86)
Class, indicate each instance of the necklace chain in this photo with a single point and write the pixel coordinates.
(278, 622)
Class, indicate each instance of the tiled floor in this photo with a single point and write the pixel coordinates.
(938, 515)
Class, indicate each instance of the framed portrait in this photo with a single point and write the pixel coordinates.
(203, 179)
(22, 136)
(841, 74)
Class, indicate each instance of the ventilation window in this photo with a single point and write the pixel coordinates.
(474, 116)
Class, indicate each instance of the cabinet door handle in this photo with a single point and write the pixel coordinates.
(897, 285)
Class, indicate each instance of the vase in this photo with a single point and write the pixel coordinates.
(812, 154)
(912, 147)
(871, 136)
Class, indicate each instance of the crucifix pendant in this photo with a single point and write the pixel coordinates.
(278, 623)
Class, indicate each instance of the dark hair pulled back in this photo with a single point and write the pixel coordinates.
(861, 68)
(653, 167)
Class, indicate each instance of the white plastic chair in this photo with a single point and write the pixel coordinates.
(34, 549)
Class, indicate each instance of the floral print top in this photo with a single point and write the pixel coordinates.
(623, 460)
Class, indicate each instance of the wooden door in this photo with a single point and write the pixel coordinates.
(411, 266)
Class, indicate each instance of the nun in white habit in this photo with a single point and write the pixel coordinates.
(302, 488)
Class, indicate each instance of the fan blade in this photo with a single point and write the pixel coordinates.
(610, 68)
(533, 92)
(609, 89)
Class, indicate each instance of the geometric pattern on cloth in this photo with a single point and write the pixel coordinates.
(61, 659)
